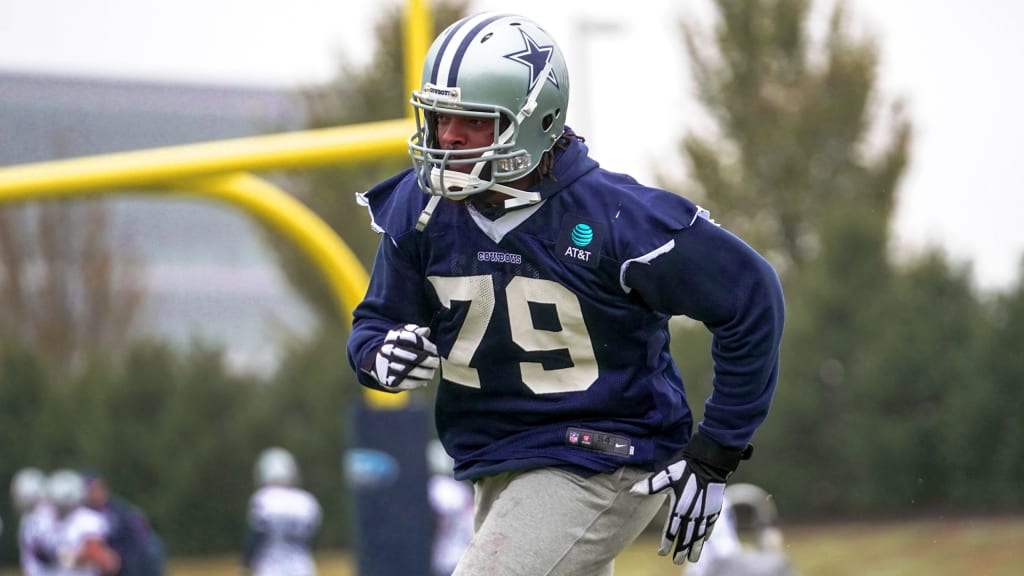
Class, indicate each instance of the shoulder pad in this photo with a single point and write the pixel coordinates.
(394, 204)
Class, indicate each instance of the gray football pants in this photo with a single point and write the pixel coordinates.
(548, 522)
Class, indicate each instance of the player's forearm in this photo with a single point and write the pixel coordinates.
(746, 358)
(393, 298)
(714, 277)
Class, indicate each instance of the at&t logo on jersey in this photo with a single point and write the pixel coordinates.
(582, 235)
(580, 240)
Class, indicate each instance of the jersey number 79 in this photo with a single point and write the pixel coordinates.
(478, 292)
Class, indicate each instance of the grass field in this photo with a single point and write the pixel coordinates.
(961, 547)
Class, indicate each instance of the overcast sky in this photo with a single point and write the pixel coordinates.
(956, 63)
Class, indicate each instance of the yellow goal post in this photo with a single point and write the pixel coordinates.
(222, 171)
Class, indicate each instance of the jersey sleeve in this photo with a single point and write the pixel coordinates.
(395, 296)
(396, 293)
(703, 271)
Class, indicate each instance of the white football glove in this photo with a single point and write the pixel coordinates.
(695, 500)
(407, 359)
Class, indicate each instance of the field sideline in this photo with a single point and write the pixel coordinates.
(953, 547)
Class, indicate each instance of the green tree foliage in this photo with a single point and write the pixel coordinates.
(788, 168)
(875, 377)
(790, 159)
(177, 434)
(23, 397)
(894, 374)
(985, 443)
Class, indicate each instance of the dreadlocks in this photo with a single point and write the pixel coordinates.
(547, 161)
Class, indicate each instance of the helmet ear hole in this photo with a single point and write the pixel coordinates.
(547, 121)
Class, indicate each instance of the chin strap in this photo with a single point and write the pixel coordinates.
(456, 181)
(428, 211)
(459, 180)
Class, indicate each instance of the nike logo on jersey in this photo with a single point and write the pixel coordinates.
(580, 240)
(598, 441)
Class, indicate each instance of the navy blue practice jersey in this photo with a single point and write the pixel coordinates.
(552, 320)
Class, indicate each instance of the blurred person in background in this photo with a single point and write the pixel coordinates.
(36, 519)
(451, 501)
(77, 544)
(128, 530)
(283, 519)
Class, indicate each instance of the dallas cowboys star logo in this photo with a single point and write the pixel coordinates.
(535, 57)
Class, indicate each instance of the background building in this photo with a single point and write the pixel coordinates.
(207, 273)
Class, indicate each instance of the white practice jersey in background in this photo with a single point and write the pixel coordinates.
(34, 533)
(289, 519)
(452, 503)
(70, 534)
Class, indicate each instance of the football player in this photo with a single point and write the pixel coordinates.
(283, 519)
(36, 518)
(78, 541)
(542, 285)
(128, 530)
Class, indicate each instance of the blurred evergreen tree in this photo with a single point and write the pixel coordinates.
(791, 154)
(23, 400)
(900, 402)
(899, 387)
(985, 444)
(791, 166)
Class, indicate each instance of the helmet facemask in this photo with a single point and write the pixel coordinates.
(498, 67)
(460, 173)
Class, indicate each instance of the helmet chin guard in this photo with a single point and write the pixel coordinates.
(453, 182)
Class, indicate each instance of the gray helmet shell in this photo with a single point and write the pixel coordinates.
(66, 489)
(28, 487)
(276, 466)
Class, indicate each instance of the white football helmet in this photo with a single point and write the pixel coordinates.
(276, 466)
(66, 489)
(498, 67)
(28, 487)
